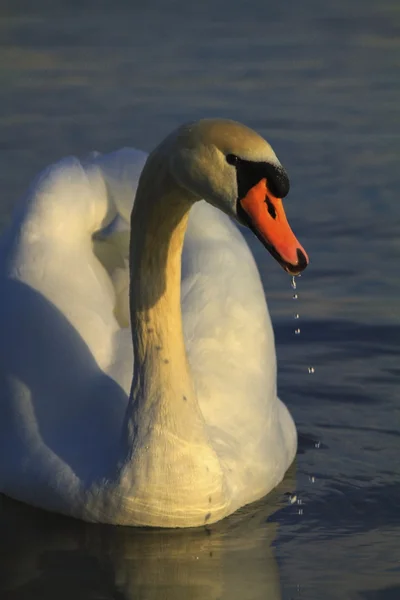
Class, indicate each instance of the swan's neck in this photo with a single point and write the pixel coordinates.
(170, 466)
(159, 220)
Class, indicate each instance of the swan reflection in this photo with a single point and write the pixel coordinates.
(47, 556)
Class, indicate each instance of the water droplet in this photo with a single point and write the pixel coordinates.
(296, 316)
(295, 296)
(293, 283)
(299, 501)
(317, 444)
(297, 331)
(311, 370)
(300, 511)
(292, 498)
(312, 478)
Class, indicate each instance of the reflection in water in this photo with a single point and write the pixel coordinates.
(47, 556)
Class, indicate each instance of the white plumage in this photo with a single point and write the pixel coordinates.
(66, 359)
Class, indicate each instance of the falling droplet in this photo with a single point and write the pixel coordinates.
(293, 283)
(292, 498)
(312, 479)
(300, 511)
(295, 296)
(297, 331)
(296, 316)
(299, 501)
(311, 370)
(317, 444)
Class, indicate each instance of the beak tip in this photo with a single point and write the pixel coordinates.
(299, 266)
(302, 259)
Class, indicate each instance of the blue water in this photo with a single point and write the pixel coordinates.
(321, 81)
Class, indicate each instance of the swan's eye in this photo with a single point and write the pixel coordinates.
(232, 159)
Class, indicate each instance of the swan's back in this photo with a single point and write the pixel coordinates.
(60, 337)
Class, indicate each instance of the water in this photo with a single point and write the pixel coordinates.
(320, 81)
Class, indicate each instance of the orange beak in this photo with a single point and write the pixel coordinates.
(266, 217)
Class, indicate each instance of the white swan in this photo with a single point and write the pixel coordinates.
(199, 431)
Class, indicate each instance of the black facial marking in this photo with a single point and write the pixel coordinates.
(249, 173)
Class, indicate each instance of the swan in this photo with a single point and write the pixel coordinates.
(137, 381)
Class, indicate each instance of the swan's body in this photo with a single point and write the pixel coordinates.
(200, 430)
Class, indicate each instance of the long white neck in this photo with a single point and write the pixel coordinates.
(170, 463)
(158, 226)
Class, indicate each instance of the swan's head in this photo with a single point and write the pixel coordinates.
(236, 170)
